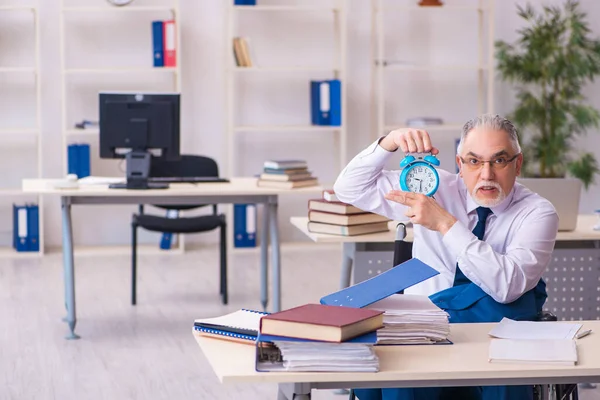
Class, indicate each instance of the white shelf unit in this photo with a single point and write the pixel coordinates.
(482, 69)
(28, 136)
(235, 73)
(149, 73)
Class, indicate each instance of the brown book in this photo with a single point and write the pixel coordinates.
(321, 322)
(338, 219)
(285, 177)
(288, 185)
(335, 207)
(362, 229)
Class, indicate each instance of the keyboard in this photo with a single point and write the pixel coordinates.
(186, 179)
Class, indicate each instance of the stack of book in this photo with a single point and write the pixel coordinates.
(316, 337)
(286, 174)
(411, 319)
(327, 215)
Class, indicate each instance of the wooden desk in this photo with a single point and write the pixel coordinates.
(465, 363)
(238, 190)
(583, 232)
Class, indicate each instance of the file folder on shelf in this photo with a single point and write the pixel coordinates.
(244, 225)
(158, 44)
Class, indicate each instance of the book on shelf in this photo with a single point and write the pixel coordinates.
(322, 322)
(240, 326)
(288, 184)
(336, 207)
(340, 219)
(351, 230)
(286, 177)
(241, 52)
(286, 174)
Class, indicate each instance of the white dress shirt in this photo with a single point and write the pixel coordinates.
(518, 241)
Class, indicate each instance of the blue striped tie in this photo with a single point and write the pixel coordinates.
(479, 230)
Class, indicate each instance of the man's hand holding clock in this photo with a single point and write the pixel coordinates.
(422, 209)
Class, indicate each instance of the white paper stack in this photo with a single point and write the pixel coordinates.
(328, 357)
(534, 342)
(411, 319)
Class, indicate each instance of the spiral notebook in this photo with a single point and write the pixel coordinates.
(241, 325)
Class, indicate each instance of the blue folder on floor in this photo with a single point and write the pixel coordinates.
(392, 281)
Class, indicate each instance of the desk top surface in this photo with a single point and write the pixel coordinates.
(236, 186)
(466, 359)
(584, 231)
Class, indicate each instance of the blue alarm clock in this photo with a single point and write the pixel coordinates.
(419, 174)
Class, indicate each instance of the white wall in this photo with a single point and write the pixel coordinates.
(203, 113)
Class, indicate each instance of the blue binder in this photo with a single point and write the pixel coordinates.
(392, 281)
(370, 337)
(33, 231)
(244, 2)
(158, 47)
(166, 240)
(335, 96)
(78, 159)
(320, 102)
(244, 225)
(20, 228)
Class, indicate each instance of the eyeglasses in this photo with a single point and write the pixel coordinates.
(497, 163)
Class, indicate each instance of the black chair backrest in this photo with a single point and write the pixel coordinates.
(187, 165)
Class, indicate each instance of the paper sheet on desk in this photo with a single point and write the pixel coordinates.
(99, 180)
(510, 329)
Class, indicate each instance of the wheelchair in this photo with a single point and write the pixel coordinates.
(403, 252)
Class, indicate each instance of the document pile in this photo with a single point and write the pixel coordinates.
(411, 319)
(319, 338)
(534, 342)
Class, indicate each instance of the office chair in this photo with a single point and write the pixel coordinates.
(403, 252)
(188, 165)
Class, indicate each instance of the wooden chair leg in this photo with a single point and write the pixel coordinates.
(223, 274)
(133, 263)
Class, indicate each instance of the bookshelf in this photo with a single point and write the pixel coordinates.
(20, 129)
(281, 71)
(95, 58)
(461, 85)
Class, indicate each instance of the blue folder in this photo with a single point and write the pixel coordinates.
(370, 337)
(158, 44)
(392, 281)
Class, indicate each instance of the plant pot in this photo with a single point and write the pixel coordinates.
(563, 193)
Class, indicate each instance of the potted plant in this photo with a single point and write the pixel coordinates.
(552, 60)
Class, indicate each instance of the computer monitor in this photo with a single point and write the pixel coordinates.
(137, 127)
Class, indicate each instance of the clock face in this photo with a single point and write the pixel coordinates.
(119, 2)
(421, 179)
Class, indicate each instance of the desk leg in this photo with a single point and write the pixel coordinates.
(293, 391)
(275, 256)
(69, 266)
(347, 258)
(264, 258)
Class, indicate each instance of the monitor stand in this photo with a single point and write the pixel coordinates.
(138, 169)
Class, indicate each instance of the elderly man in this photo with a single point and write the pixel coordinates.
(489, 237)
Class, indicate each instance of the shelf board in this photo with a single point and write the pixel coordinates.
(286, 128)
(429, 8)
(9, 252)
(123, 70)
(120, 9)
(118, 250)
(16, 8)
(441, 127)
(15, 192)
(284, 8)
(82, 132)
(19, 131)
(284, 69)
(407, 67)
(18, 69)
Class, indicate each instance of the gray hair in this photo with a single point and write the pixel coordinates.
(490, 121)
